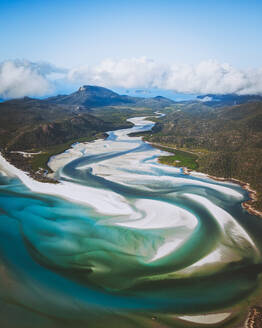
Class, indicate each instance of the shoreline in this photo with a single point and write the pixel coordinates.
(24, 160)
(252, 315)
(15, 158)
(41, 176)
(247, 205)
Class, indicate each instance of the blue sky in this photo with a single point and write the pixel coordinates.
(186, 46)
(71, 33)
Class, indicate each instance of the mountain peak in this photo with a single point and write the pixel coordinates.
(89, 88)
(94, 88)
(82, 88)
(91, 96)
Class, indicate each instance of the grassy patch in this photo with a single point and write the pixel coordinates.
(180, 159)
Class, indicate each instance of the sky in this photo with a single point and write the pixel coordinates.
(85, 40)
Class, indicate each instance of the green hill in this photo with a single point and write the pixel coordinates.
(227, 140)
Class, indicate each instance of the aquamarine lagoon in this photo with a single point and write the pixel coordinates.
(124, 241)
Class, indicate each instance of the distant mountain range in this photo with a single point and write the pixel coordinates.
(29, 123)
(93, 96)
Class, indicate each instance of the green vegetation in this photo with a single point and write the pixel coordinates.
(117, 115)
(180, 158)
(215, 137)
(52, 125)
(227, 140)
(28, 123)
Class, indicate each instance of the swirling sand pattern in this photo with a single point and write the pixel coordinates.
(142, 245)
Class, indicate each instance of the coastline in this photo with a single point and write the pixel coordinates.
(40, 176)
(15, 159)
(35, 164)
(247, 205)
(13, 169)
(251, 316)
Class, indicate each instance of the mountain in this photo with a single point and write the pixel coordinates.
(94, 96)
(42, 129)
(157, 102)
(29, 123)
(48, 126)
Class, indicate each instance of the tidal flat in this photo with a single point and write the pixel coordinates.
(123, 240)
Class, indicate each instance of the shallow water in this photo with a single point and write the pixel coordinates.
(141, 245)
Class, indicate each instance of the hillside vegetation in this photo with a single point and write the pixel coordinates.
(217, 134)
(50, 126)
(227, 140)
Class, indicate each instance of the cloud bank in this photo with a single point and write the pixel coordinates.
(207, 77)
(20, 78)
(24, 78)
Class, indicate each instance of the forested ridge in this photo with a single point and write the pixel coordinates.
(227, 140)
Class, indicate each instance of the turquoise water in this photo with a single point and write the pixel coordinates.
(144, 245)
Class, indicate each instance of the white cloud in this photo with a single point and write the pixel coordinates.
(127, 73)
(210, 77)
(25, 78)
(207, 77)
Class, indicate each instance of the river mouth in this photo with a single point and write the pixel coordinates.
(124, 241)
